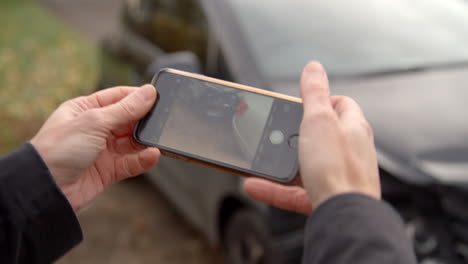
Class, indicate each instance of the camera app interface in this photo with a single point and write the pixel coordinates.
(216, 122)
(222, 124)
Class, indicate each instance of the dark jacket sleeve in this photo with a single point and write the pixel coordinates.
(37, 224)
(354, 228)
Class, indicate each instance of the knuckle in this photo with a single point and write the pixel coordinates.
(347, 99)
(72, 102)
(363, 124)
(81, 98)
(92, 116)
(360, 128)
(128, 109)
(368, 128)
(318, 116)
(346, 104)
(126, 169)
(76, 105)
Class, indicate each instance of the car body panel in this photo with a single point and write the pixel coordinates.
(224, 27)
(427, 134)
(419, 122)
(423, 98)
(197, 191)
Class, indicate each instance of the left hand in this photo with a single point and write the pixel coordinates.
(87, 142)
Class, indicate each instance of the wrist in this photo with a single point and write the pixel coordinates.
(325, 194)
(60, 182)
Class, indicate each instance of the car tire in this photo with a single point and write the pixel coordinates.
(248, 239)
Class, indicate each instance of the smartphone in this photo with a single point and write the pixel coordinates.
(228, 126)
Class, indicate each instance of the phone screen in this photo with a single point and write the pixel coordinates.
(223, 125)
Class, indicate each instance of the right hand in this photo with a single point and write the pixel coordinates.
(336, 151)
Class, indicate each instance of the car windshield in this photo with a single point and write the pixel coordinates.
(353, 37)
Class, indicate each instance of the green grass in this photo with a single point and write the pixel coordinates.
(42, 63)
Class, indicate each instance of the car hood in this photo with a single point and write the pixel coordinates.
(419, 121)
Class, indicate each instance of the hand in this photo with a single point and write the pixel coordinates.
(87, 142)
(336, 151)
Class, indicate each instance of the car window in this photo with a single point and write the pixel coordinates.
(173, 25)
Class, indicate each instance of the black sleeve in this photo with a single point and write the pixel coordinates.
(37, 224)
(353, 228)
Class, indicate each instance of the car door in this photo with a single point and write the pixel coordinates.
(171, 25)
(174, 26)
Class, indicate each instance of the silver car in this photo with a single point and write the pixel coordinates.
(404, 61)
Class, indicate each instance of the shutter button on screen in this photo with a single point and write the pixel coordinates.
(293, 141)
(276, 137)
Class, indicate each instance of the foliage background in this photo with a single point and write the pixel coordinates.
(42, 63)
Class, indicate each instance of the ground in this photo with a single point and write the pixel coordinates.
(44, 61)
(133, 223)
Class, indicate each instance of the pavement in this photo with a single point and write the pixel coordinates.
(131, 222)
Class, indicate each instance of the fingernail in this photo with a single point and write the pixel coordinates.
(147, 91)
(314, 68)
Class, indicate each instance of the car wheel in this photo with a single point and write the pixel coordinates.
(248, 239)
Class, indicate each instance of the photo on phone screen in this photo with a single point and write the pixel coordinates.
(222, 125)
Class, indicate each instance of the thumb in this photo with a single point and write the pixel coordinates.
(315, 89)
(131, 108)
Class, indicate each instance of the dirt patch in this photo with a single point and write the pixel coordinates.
(132, 223)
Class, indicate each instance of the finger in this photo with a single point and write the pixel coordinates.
(110, 95)
(315, 89)
(126, 145)
(352, 116)
(131, 108)
(135, 164)
(346, 108)
(290, 198)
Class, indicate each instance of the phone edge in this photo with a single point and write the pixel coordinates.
(293, 180)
